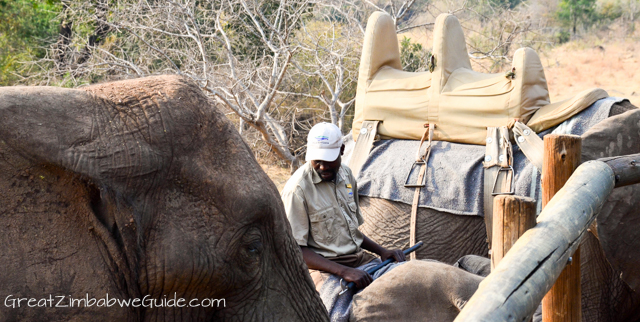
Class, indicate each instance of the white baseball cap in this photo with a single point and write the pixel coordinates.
(324, 142)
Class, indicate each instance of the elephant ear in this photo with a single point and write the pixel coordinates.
(44, 123)
(618, 224)
(81, 132)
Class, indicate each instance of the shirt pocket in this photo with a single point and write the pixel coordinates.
(352, 206)
(322, 226)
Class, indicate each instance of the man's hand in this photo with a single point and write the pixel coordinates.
(361, 278)
(384, 253)
(314, 261)
(396, 254)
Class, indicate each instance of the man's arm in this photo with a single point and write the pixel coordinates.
(315, 261)
(384, 253)
(359, 277)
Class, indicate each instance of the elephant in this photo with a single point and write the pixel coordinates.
(140, 189)
(429, 290)
(610, 254)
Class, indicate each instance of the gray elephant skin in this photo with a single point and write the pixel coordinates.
(610, 254)
(140, 188)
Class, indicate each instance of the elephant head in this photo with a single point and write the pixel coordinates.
(167, 190)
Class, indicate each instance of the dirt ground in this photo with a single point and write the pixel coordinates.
(574, 67)
(278, 175)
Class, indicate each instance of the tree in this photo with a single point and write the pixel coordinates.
(397, 11)
(328, 59)
(26, 28)
(574, 12)
(197, 39)
(330, 48)
(330, 52)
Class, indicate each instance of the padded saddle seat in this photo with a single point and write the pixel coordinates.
(461, 102)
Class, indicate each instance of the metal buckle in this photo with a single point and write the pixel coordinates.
(424, 177)
(495, 182)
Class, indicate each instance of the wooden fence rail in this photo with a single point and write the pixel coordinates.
(513, 291)
(626, 168)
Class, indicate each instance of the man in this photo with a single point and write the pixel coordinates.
(321, 202)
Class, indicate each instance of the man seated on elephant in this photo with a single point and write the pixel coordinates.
(321, 202)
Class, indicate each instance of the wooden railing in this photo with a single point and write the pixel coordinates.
(516, 286)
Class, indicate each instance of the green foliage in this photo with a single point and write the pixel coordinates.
(413, 56)
(562, 36)
(572, 13)
(609, 10)
(505, 4)
(26, 27)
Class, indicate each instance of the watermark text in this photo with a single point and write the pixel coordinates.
(68, 301)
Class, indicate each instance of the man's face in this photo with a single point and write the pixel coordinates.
(327, 170)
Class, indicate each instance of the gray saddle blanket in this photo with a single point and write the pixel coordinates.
(455, 174)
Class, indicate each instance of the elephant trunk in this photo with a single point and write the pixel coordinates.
(299, 293)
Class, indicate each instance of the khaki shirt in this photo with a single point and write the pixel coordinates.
(324, 216)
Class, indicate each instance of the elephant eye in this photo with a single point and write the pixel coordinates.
(249, 254)
(255, 247)
(252, 241)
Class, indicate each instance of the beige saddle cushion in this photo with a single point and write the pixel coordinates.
(461, 102)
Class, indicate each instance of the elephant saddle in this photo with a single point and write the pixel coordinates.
(462, 103)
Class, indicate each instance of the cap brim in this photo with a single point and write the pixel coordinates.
(328, 155)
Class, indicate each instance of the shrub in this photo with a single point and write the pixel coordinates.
(413, 56)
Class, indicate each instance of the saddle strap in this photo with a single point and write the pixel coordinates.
(424, 157)
(499, 156)
(498, 171)
(530, 144)
(363, 146)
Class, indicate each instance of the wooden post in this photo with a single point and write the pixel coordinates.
(512, 216)
(514, 290)
(561, 158)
